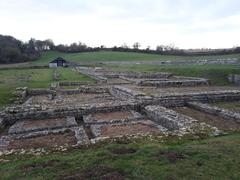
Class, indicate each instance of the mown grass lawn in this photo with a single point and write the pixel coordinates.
(211, 158)
(217, 74)
(33, 78)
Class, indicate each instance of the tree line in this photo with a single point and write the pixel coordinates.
(13, 50)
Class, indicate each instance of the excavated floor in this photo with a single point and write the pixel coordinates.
(113, 115)
(47, 141)
(114, 130)
(166, 91)
(220, 123)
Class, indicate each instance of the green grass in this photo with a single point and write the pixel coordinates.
(101, 56)
(212, 158)
(32, 78)
(217, 74)
(67, 74)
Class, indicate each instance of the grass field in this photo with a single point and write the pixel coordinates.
(33, 78)
(212, 158)
(116, 56)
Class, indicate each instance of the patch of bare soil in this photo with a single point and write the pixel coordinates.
(172, 157)
(98, 172)
(113, 115)
(120, 130)
(44, 122)
(123, 150)
(223, 124)
(48, 141)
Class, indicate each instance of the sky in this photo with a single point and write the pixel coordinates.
(184, 23)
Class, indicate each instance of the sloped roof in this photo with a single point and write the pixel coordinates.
(59, 59)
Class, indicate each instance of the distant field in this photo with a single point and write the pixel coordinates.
(117, 56)
(103, 56)
(33, 78)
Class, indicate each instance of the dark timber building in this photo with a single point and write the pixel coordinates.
(59, 62)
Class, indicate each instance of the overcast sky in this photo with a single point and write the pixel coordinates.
(185, 23)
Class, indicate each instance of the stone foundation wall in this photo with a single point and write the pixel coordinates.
(226, 114)
(125, 93)
(36, 92)
(234, 78)
(67, 83)
(17, 113)
(87, 89)
(169, 118)
(182, 99)
(174, 100)
(173, 83)
(114, 74)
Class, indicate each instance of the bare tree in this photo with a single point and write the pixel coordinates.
(136, 45)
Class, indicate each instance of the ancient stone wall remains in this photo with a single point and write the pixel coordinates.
(169, 118)
(16, 113)
(125, 93)
(69, 83)
(36, 92)
(234, 78)
(173, 83)
(226, 114)
(85, 89)
(174, 100)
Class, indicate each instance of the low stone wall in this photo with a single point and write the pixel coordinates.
(115, 74)
(226, 114)
(174, 100)
(169, 118)
(36, 92)
(85, 89)
(67, 83)
(177, 100)
(103, 75)
(2, 123)
(234, 78)
(125, 93)
(17, 113)
(173, 83)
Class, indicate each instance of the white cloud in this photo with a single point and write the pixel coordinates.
(186, 23)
